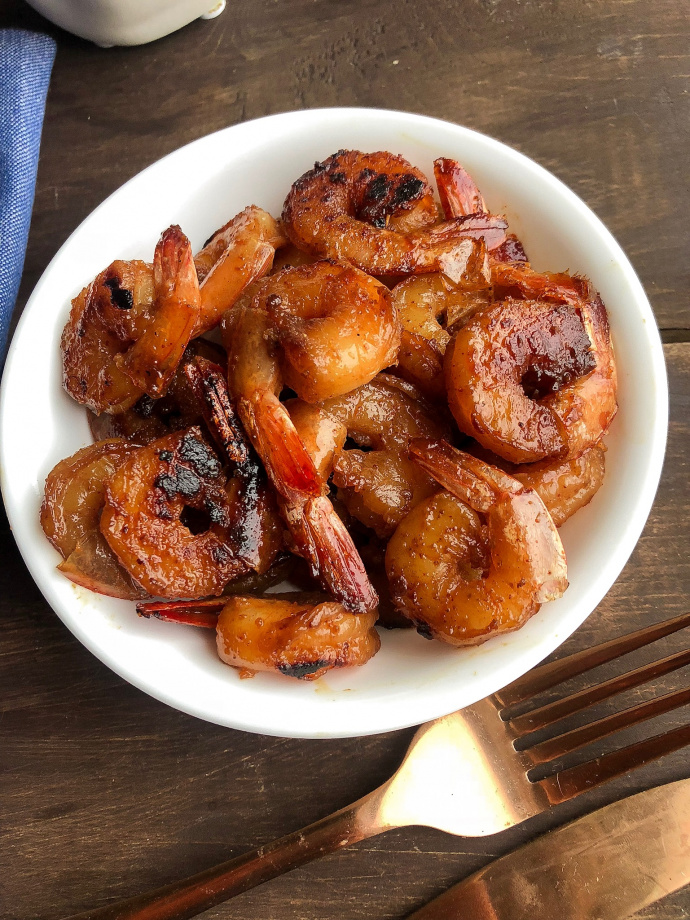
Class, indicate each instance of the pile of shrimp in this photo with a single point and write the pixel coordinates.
(374, 397)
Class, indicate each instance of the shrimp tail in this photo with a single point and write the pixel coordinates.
(192, 613)
(458, 248)
(482, 486)
(153, 359)
(208, 383)
(467, 264)
(457, 190)
(288, 464)
(325, 543)
(254, 514)
(234, 257)
(454, 470)
(558, 287)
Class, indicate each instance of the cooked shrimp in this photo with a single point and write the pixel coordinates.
(589, 405)
(533, 380)
(322, 434)
(477, 560)
(343, 209)
(511, 250)
(426, 305)
(106, 318)
(564, 486)
(168, 518)
(319, 535)
(336, 326)
(381, 484)
(298, 640)
(302, 639)
(128, 329)
(73, 500)
(234, 257)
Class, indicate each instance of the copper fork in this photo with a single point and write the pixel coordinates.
(466, 773)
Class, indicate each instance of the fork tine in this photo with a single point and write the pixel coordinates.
(566, 784)
(571, 741)
(583, 699)
(555, 672)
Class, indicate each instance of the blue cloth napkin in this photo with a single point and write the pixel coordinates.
(26, 60)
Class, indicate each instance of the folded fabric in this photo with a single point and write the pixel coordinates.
(26, 60)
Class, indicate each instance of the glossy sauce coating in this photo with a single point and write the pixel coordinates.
(73, 499)
(502, 365)
(336, 328)
(106, 319)
(478, 559)
(428, 307)
(237, 255)
(341, 210)
(148, 526)
(297, 640)
(380, 485)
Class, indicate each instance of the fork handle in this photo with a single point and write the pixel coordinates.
(198, 893)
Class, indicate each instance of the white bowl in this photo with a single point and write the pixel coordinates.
(125, 22)
(200, 187)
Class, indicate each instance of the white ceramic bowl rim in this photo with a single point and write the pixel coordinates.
(199, 186)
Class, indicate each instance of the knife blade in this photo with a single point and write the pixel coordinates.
(605, 866)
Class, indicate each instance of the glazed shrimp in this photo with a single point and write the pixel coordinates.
(168, 518)
(128, 329)
(564, 486)
(457, 189)
(533, 380)
(298, 639)
(106, 319)
(343, 209)
(518, 279)
(148, 418)
(72, 503)
(320, 537)
(337, 327)
(235, 256)
(380, 485)
(511, 250)
(478, 559)
(589, 405)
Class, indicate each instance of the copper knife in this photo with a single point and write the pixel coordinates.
(606, 866)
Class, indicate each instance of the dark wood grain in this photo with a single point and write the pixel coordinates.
(105, 791)
(596, 92)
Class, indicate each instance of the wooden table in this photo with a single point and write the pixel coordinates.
(107, 792)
